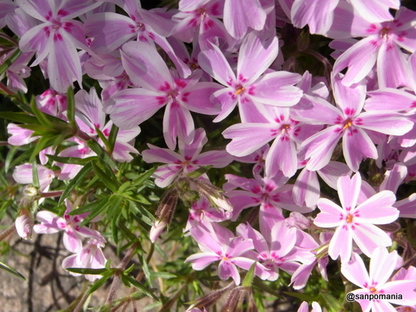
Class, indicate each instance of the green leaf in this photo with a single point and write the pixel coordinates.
(42, 143)
(140, 199)
(9, 61)
(146, 216)
(70, 112)
(260, 284)
(127, 232)
(164, 275)
(331, 301)
(9, 158)
(301, 296)
(19, 117)
(112, 138)
(105, 178)
(125, 186)
(89, 207)
(101, 153)
(200, 171)
(87, 271)
(71, 160)
(248, 279)
(143, 177)
(103, 139)
(94, 213)
(137, 284)
(115, 203)
(75, 181)
(115, 229)
(35, 175)
(98, 283)
(11, 270)
(41, 116)
(145, 268)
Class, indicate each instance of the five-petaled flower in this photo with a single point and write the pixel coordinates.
(356, 222)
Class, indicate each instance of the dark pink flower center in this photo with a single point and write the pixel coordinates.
(384, 32)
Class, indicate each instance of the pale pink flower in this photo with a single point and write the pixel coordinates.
(19, 136)
(73, 232)
(90, 256)
(382, 45)
(111, 30)
(199, 19)
(242, 16)
(356, 223)
(348, 121)
(189, 158)
(23, 174)
(220, 244)
(52, 103)
(376, 281)
(249, 86)
(272, 194)
(304, 307)
(157, 86)
(6, 7)
(274, 248)
(56, 37)
(285, 132)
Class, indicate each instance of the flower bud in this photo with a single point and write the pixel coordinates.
(164, 213)
(235, 300)
(212, 193)
(24, 224)
(156, 230)
(208, 300)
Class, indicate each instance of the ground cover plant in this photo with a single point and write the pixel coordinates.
(230, 153)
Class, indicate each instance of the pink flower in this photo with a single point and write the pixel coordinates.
(201, 212)
(91, 118)
(376, 282)
(90, 256)
(272, 194)
(52, 103)
(382, 46)
(73, 232)
(19, 136)
(23, 174)
(248, 86)
(315, 307)
(220, 244)
(156, 87)
(111, 30)
(285, 132)
(356, 223)
(348, 121)
(199, 19)
(57, 38)
(189, 158)
(240, 16)
(275, 248)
